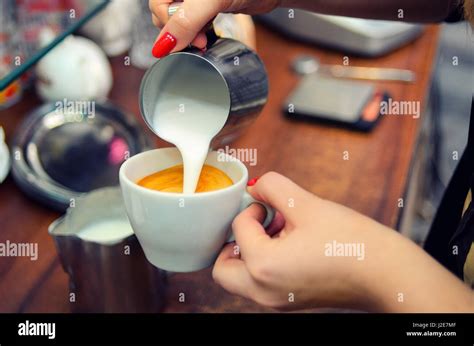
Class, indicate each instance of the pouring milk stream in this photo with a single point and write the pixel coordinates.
(189, 116)
(187, 98)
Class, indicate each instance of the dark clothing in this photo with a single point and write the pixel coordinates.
(451, 237)
(452, 232)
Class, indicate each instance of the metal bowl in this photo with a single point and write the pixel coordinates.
(58, 155)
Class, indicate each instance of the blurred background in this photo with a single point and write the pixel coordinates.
(452, 89)
(70, 74)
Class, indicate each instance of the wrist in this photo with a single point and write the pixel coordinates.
(357, 277)
(381, 278)
(402, 277)
(373, 280)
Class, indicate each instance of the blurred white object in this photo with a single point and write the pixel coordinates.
(112, 27)
(144, 34)
(239, 27)
(77, 69)
(4, 157)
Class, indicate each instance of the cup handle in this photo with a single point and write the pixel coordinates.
(247, 200)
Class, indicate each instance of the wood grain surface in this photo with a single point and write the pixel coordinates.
(371, 181)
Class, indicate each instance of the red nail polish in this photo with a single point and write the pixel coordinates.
(253, 181)
(164, 45)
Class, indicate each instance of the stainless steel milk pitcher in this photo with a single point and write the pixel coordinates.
(228, 74)
(105, 277)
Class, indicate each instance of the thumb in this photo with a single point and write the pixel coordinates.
(185, 26)
(288, 198)
(249, 233)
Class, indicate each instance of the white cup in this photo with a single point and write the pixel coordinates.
(183, 232)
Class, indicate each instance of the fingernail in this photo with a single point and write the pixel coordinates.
(164, 45)
(253, 181)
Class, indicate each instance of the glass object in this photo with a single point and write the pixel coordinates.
(22, 22)
(144, 34)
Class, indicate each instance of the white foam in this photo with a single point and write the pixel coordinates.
(106, 232)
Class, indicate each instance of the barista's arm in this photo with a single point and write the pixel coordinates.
(413, 11)
(187, 27)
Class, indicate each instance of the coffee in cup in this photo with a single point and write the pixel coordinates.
(172, 180)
